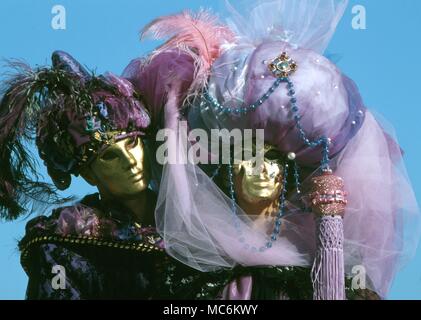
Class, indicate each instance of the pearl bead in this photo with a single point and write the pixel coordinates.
(282, 107)
(354, 123)
(291, 156)
(262, 76)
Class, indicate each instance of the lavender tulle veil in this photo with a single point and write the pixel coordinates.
(306, 23)
(195, 217)
(196, 220)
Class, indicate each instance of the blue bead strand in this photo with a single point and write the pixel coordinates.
(297, 178)
(246, 109)
(322, 141)
(281, 213)
(233, 199)
(231, 186)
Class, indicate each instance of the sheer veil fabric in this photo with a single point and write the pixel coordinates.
(195, 217)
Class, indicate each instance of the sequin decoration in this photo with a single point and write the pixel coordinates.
(327, 195)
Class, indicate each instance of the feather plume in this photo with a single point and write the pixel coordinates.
(200, 35)
(24, 94)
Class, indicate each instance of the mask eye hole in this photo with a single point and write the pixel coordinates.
(272, 155)
(109, 155)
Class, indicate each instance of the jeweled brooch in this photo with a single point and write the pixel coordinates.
(283, 66)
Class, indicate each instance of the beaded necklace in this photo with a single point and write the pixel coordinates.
(281, 67)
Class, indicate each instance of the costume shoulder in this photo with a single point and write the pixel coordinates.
(78, 219)
(86, 224)
(64, 225)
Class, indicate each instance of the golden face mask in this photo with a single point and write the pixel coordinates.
(120, 170)
(264, 186)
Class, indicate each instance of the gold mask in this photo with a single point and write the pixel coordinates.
(120, 171)
(266, 186)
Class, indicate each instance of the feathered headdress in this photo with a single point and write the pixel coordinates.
(71, 114)
(200, 35)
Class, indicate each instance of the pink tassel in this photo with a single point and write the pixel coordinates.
(328, 202)
(328, 272)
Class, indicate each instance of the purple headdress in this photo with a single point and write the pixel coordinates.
(274, 78)
(71, 114)
(195, 42)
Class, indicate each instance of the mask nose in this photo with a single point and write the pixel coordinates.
(129, 161)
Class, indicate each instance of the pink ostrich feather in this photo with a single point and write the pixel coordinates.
(199, 35)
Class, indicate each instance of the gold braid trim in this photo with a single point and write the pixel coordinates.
(84, 240)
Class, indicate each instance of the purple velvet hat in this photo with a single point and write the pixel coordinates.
(72, 115)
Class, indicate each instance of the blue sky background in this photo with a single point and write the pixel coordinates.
(383, 60)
